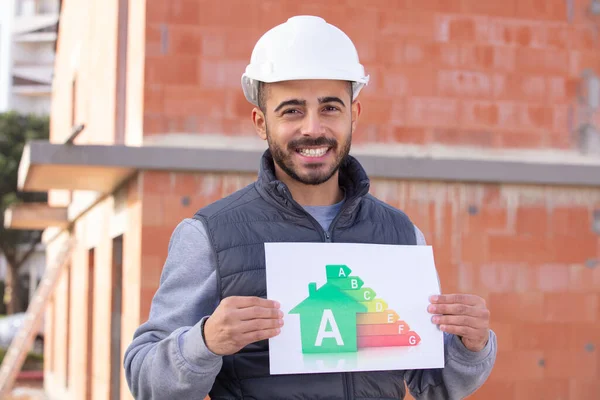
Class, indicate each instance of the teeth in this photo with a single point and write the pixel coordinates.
(313, 152)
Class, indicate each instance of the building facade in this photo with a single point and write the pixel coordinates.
(27, 42)
(477, 122)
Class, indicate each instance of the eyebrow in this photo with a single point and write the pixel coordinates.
(297, 102)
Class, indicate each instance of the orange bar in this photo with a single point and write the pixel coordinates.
(386, 317)
(397, 328)
(408, 339)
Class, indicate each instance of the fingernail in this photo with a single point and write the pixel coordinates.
(434, 298)
(431, 309)
(276, 304)
(281, 322)
(436, 319)
(280, 314)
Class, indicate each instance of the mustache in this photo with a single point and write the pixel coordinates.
(312, 142)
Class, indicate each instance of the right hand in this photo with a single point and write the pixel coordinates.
(239, 321)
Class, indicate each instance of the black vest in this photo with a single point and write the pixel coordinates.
(239, 225)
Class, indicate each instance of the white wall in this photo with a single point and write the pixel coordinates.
(6, 18)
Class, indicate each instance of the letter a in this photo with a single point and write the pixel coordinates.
(342, 273)
(334, 333)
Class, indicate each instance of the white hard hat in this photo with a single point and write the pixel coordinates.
(304, 47)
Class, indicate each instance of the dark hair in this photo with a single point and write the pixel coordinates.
(262, 92)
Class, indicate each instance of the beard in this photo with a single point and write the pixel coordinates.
(317, 173)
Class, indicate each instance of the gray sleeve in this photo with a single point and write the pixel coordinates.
(464, 371)
(167, 358)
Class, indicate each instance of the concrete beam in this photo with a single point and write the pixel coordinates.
(100, 168)
(35, 216)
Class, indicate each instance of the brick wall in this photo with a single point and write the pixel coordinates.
(494, 74)
(460, 72)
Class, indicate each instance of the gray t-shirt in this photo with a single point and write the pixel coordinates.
(168, 358)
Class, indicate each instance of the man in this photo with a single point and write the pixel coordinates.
(210, 318)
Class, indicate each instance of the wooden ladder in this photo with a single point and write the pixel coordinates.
(21, 344)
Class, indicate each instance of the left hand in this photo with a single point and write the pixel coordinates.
(464, 315)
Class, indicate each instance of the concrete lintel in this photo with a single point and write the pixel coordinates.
(98, 167)
(35, 216)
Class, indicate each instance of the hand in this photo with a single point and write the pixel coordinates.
(239, 321)
(464, 315)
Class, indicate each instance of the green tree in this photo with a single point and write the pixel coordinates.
(17, 245)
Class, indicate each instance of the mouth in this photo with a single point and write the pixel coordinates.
(313, 152)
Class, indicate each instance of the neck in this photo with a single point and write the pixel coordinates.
(325, 194)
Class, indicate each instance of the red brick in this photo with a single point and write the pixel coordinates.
(188, 100)
(542, 389)
(512, 307)
(153, 210)
(574, 249)
(154, 39)
(410, 135)
(180, 70)
(570, 307)
(584, 279)
(221, 74)
(407, 24)
(432, 111)
(154, 124)
(518, 366)
(158, 11)
(541, 336)
(185, 12)
(580, 388)
(439, 6)
(571, 364)
(184, 40)
(533, 220)
(465, 83)
(474, 248)
(499, 278)
(157, 182)
(462, 29)
(553, 278)
(153, 99)
(506, 334)
(413, 81)
(492, 8)
(571, 220)
(463, 137)
(155, 239)
(542, 9)
(542, 61)
(479, 114)
(378, 110)
(520, 139)
(558, 36)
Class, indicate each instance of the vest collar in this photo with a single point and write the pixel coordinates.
(353, 179)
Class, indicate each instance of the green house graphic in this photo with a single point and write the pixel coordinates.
(328, 320)
(344, 316)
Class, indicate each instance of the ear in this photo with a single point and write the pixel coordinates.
(356, 110)
(260, 123)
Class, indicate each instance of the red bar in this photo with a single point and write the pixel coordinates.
(409, 339)
(397, 328)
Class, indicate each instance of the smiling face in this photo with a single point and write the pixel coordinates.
(308, 126)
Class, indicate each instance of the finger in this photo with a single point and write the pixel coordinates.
(471, 322)
(251, 301)
(468, 299)
(464, 331)
(257, 312)
(257, 336)
(259, 325)
(458, 309)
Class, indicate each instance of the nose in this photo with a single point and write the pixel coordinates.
(312, 124)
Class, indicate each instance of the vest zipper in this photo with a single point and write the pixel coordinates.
(328, 238)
